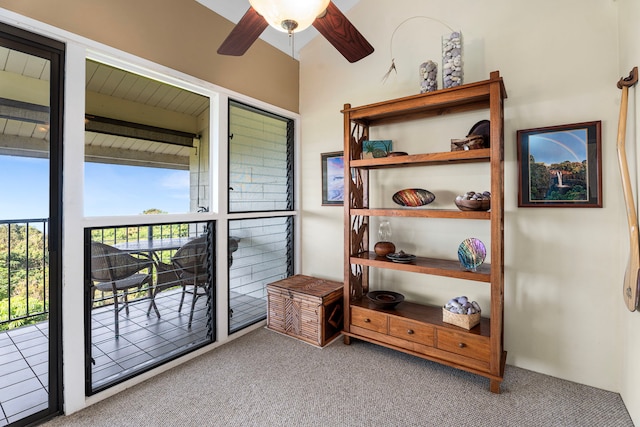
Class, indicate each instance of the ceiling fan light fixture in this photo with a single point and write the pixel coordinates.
(289, 15)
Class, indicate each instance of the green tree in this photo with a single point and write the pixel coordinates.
(153, 211)
(540, 179)
(23, 270)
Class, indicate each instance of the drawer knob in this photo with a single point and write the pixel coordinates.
(410, 331)
(367, 320)
(462, 345)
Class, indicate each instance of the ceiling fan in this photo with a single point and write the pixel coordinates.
(293, 16)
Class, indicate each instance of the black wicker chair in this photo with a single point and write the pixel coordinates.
(188, 269)
(118, 272)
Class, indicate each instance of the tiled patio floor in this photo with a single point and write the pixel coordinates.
(144, 340)
(23, 372)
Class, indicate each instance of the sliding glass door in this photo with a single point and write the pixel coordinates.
(31, 78)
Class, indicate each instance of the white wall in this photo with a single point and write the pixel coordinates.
(629, 35)
(563, 267)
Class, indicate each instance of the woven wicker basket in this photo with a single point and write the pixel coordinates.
(466, 321)
(306, 308)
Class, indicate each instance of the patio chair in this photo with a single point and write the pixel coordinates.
(188, 269)
(118, 272)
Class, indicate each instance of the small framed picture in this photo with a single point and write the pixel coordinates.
(373, 149)
(560, 166)
(332, 178)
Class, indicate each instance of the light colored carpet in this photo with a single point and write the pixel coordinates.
(267, 379)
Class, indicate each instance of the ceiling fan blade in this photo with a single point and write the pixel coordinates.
(243, 34)
(336, 28)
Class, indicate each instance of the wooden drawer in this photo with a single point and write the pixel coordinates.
(411, 330)
(369, 319)
(474, 346)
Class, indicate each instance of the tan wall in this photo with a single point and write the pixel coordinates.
(182, 35)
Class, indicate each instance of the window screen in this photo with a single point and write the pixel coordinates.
(264, 255)
(260, 160)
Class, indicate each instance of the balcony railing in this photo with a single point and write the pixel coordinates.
(24, 268)
(134, 239)
(24, 262)
(145, 339)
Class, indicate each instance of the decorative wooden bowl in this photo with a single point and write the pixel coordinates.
(413, 197)
(397, 154)
(473, 205)
(385, 299)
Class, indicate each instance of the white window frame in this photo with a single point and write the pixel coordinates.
(79, 49)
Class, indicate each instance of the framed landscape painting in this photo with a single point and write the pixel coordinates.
(332, 178)
(560, 166)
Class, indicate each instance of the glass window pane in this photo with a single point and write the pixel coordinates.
(28, 146)
(264, 255)
(260, 160)
(163, 277)
(146, 145)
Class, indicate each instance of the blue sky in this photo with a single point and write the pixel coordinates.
(24, 192)
(555, 147)
(130, 190)
(109, 189)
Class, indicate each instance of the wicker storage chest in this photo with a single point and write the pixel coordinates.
(305, 307)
